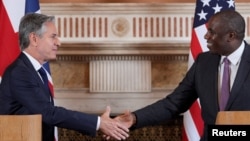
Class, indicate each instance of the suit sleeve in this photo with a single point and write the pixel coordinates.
(172, 105)
(31, 98)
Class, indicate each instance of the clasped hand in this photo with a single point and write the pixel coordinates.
(117, 128)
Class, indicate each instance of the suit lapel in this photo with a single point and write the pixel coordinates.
(214, 65)
(241, 75)
(209, 81)
(30, 66)
(33, 72)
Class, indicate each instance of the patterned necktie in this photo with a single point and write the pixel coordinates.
(225, 87)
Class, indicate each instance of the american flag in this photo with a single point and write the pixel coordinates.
(11, 12)
(193, 123)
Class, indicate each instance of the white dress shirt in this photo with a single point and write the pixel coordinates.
(234, 59)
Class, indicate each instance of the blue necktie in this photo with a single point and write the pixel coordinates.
(45, 78)
(225, 87)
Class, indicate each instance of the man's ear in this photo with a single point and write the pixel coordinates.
(231, 36)
(33, 39)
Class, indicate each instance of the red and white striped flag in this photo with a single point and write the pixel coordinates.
(193, 123)
(11, 12)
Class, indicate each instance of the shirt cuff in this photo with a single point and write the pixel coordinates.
(98, 123)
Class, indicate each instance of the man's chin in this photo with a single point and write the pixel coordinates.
(52, 58)
(212, 52)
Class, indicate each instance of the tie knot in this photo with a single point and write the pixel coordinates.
(42, 71)
(45, 80)
(43, 74)
(226, 60)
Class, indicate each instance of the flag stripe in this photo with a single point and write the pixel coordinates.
(15, 10)
(195, 110)
(190, 128)
(184, 134)
(32, 6)
(8, 47)
(200, 33)
(196, 49)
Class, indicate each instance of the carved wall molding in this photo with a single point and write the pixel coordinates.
(127, 28)
(87, 58)
(113, 48)
(122, 23)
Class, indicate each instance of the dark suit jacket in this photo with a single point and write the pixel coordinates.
(22, 92)
(201, 81)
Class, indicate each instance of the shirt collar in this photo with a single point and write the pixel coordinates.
(33, 61)
(234, 57)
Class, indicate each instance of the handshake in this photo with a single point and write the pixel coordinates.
(116, 128)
